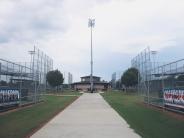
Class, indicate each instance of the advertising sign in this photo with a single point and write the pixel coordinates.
(174, 97)
(8, 96)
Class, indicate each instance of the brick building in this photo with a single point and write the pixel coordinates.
(85, 85)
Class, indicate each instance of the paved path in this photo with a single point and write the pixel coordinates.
(88, 117)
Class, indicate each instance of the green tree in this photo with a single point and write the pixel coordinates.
(55, 78)
(130, 77)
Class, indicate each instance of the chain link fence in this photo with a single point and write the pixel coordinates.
(24, 83)
(160, 84)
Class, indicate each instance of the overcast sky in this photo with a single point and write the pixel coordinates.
(60, 29)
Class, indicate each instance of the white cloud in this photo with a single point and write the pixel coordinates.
(59, 27)
(140, 23)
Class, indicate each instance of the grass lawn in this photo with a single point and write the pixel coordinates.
(20, 123)
(147, 122)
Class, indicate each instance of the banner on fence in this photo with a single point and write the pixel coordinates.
(174, 97)
(8, 95)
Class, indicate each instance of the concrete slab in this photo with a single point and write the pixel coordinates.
(90, 116)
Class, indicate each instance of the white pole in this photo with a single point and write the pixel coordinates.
(91, 25)
(91, 62)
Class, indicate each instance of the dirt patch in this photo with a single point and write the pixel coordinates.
(14, 109)
(172, 114)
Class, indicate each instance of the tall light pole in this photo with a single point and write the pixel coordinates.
(91, 24)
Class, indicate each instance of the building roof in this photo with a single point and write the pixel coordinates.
(89, 83)
(89, 77)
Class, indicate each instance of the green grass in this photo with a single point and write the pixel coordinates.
(147, 122)
(20, 123)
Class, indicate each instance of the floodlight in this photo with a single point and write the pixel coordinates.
(91, 22)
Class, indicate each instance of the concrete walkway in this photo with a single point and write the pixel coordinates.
(90, 116)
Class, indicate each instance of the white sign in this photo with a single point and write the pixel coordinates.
(9, 95)
(174, 97)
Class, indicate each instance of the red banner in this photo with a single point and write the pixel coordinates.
(174, 97)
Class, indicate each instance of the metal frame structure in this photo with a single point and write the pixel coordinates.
(40, 65)
(154, 77)
(143, 63)
(29, 78)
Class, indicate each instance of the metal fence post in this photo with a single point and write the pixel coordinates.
(148, 91)
(163, 86)
(21, 86)
(138, 84)
(0, 71)
(35, 90)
